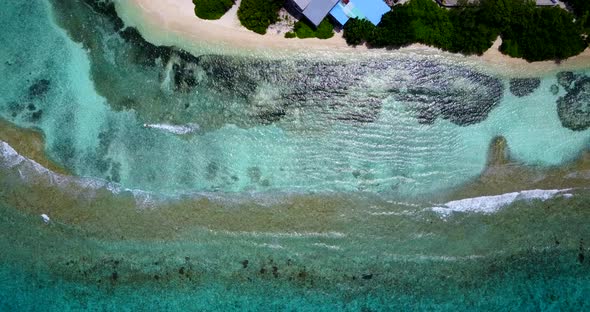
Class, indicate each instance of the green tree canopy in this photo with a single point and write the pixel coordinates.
(212, 9)
(533, 33)
(257, 15)
(357, 31)
(304, 30)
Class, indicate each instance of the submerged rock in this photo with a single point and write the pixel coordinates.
(249, 91)
(574, 107)
(115, 172)
(349, 91)
(566, 79)
(14, 108)
(212, 170)
(39, 88)
(498, 153)
(460, 95)
(36, 116)
(145, 53)
(524, 86)
(184, 75)
(106, 8)
(255, 174)
(271, 116)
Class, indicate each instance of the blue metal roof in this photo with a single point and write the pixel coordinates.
(371, 10)
(302, 4)
(339, 14)
(316, 10)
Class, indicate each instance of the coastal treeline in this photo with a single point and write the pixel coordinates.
(212, 9)
(257, 15)
(580, 7)
(529, 32)
(302, 29)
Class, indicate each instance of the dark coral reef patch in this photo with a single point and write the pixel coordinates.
(524, 86)
(574, 107)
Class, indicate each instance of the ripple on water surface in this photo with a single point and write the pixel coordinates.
(395, 127)
(126, 115)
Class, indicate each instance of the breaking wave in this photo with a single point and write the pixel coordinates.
(491, 204)
(175, 129)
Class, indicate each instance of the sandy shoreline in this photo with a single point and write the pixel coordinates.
(172, 22)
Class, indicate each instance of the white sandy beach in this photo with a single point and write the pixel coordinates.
(173, 22)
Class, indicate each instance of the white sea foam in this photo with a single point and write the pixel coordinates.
(393, 213)
(45, 218)
(333, 247)
(10, 158)
(440, 258)
(175, 129)
(281, 234)
(29, 170)
(491, 204)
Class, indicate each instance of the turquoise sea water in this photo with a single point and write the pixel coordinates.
(470, 262)
(110, 107)
(259, 131)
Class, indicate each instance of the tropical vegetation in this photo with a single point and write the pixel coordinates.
(212, 9)
(581, 9)
(302, 29)
(527, 31)
(257, 15)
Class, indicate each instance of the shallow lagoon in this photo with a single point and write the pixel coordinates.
(398, 127)
(325, 171)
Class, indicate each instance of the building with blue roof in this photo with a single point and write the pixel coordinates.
(371, 10)
(317, 10)
(342, 10)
